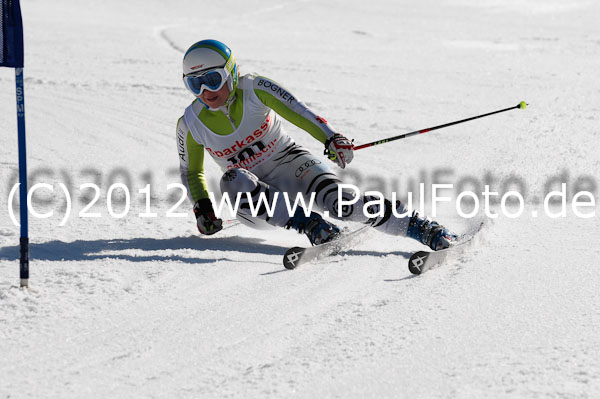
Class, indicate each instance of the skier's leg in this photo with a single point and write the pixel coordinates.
(268, 205)
(237, 182)
(302, 173)
(394, 219)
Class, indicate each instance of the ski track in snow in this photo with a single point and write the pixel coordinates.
(143, 308)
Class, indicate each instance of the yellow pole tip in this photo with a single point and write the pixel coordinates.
(523, 105)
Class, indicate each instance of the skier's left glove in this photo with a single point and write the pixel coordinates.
(206, 220)
(339, 150)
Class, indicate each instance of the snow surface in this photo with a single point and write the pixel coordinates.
(144, 308)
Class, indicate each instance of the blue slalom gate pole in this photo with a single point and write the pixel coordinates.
(11, 55)
(24, 241)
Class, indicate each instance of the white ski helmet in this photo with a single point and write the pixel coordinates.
(207, 55)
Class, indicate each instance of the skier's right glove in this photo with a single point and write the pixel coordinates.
(206, 220)
(339, 150)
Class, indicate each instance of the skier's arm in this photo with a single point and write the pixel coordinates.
(289, 107)
(191, 163)
(339, 148)
(191, 168)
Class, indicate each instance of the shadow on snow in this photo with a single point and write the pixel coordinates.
(92, 250)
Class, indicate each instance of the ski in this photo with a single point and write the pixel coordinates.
(297, 256)
(422, 261)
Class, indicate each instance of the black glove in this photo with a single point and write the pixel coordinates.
(206, 220)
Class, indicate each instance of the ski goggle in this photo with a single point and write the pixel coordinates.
(212, 80)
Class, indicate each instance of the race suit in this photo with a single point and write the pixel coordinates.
(246, 138)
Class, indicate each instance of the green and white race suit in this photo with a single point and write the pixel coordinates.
(247, 140)
(246, 134)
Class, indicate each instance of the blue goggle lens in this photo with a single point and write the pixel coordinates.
(211, 80)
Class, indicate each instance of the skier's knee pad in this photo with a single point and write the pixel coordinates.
(238, 181)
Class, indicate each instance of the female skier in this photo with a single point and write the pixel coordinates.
(237, 121)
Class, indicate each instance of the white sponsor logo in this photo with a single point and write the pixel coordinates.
(418, 262)
(293, 258)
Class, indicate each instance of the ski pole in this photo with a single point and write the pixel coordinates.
(521, 105)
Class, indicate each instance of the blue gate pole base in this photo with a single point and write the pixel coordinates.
(24, 261)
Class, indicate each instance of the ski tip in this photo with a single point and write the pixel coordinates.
(292, 257)
(417, 261)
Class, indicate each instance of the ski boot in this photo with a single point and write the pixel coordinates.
(317, 229)
(430, 233)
